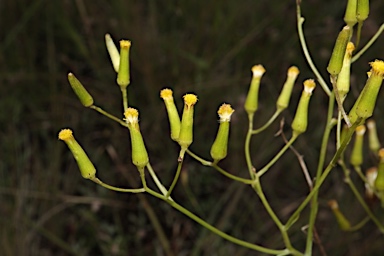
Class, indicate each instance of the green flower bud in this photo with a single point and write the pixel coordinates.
(362, 10)
(357, 151)
(379, 182)
(370, 175)
(343, 79)
(186, 126)
(350, 13)
(113, 52)
(336, 61)
(123, 77)
(285, 95)
(251, 102)
(373, 138)
(87, 170)
(80, 91)
(139, 152)
(300, 121)
(343, 222)
(173, 115)
(220, 145)
(367, 99)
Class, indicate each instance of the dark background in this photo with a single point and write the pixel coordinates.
(204, 47)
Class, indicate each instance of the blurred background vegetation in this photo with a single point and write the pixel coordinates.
(205, 47)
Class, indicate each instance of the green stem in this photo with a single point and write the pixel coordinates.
(270, 121)
(247, 147)
(327, 170)
(370, 42)
(320, 166)
(198, 158)
(125, 98)
(257, 187)
(231, 176)
(361, 200)
(358, 34)
(159, 185)
(215, 230)
(125, 190)
(359, 225)
(101, 111)
(175, 179)
(300, 21)
(277, 156)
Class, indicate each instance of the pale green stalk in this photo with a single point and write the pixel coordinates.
(356, 193)
(370, 42)
(175, 179)
(215, 230)
(300, 21)
(320, 166)
(283, 230)
(125, 190)
(277, 156)
(270, 121)
(101, 111)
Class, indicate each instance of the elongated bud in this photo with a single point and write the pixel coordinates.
(379, 182)
(336, 61)
(366, 102)
(362, 10)
(300, 121)
(220, 145)
(251, 103)
(139, 152)
(113, 52)
(80, 91)
(186, 126)
(343, 222)
(285, 95)
(173, 115)
(350, 13)
(343, 79)
(87, 169)
(373, 138)
(370, 175)
(357, 151)
(123, 76)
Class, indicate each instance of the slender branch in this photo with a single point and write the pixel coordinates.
(300, 21)
(105, 113)
(125, 190)
(370, 42)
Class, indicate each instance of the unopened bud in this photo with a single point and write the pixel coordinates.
(350, 13)
(123, 76)
(87, 169)
(343, 222)
(370, 175)
(300, 121)
(343, 79)
(379, 182)
(220, 145)
(336, 61)
(113, 52)
(173, 115)
(139, 152)
(367, 101)
(357, 151)
(373, 138)
(186, 126)
(285, 95)
(362, 10)
(251, 103)
(80, 91)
